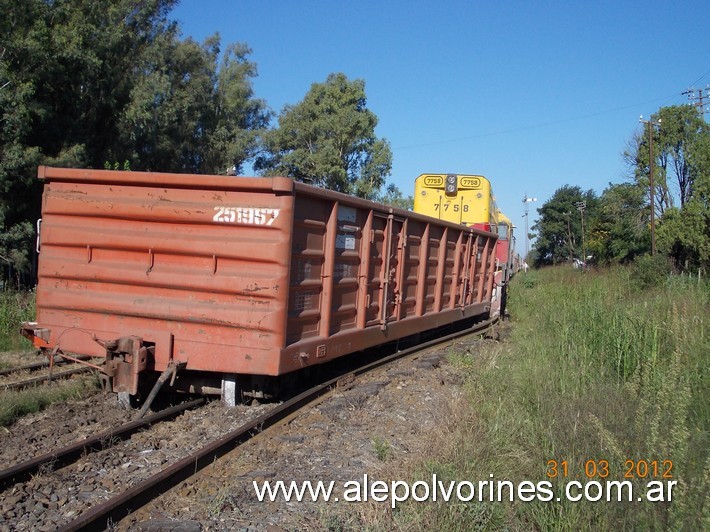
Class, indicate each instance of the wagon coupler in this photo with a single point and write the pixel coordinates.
(126, 357)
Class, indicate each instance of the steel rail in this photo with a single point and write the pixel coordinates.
(39, 380)
(38, 365)
(102, 516)
(105, 439)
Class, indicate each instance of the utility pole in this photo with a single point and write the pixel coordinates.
(581, 205)
(526, 201)
(697, 97)
(569, 235)
(650, 125)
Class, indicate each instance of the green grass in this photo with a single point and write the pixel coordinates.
(15, 404)
(15, 307)
(382, 448)
(597, 367)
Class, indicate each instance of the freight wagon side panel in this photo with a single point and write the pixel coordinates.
(197, 265)
(363, 274)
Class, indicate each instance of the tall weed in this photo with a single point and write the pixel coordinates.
(632, 367)
(596, 369)
(15, 307)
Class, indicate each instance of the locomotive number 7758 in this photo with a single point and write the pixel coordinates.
(455, 207)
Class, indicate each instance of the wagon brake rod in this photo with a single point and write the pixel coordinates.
(79, 361)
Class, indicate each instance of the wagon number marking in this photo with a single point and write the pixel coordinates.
(246, 215)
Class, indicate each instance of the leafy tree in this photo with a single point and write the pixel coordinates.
(66, 67)
(328, 140)
(681, 149)
(637, 157)
(685, 233)
(680, 128)
(86, 82)
(699, 160)
(559, 228)
(240, 119)
(187, 115)
(393, 196)
(162, 122)
(676, 130)
(619, 230)
(13, 249)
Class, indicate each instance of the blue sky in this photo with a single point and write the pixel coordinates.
(533, 95)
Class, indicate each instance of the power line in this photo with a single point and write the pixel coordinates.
(532, 126)
(700, 78)
(552, 123)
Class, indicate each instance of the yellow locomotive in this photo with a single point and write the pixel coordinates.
(458, 198)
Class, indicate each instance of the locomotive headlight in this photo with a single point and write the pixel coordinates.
(451, 185)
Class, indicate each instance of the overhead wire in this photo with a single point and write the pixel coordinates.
(530, 126)
(542, 124)
(700, 78)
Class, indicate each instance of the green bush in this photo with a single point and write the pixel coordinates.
(528, 280)
(650, 271)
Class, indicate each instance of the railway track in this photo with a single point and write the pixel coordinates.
(48, 490)
(17, 378)
(58, 361)
(37, 381)
(69, 454)
(7, 385)
(118, 507)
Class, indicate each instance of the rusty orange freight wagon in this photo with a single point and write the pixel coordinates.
(238, 278)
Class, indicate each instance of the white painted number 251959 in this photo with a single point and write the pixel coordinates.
(246, 215)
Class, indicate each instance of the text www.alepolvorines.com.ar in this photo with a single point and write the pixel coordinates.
(434, 490)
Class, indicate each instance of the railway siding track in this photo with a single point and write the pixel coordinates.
(58, 361)
(52, 497)
(42, 379)
(36, 374)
